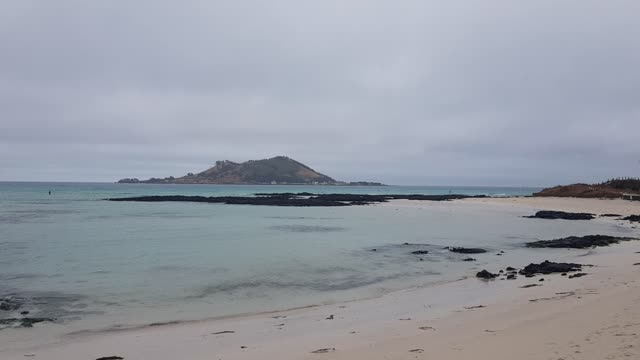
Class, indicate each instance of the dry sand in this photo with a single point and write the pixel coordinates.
(593, 317)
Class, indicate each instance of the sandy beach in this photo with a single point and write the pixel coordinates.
(592, 317)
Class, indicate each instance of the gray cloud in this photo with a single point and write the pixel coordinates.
(409, 92)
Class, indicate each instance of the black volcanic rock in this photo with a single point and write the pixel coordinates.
(24, 322)
(11, 303)
(577, 275)
(462, 250)
(548, 267)
(420, 252)
(291, 199)
(632, 218)
(484, 274)
(578, 242)
(553, 215)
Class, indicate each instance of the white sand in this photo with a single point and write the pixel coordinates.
(593, 317)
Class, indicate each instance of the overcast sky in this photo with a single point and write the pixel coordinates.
(404, 92)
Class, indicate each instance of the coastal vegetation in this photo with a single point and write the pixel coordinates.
(610, 189)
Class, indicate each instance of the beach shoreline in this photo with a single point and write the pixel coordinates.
(463, 319)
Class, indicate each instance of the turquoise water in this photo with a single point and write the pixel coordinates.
(96, 264)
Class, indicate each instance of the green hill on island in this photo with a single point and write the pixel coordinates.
(276, 170)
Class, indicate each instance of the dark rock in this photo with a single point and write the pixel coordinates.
(420, 252)
(484, 274)
(462, 250)
(577, 275)
(110, 358)
(548, 214)
(24, 322)
(632, 218)
(541, 279)
(469, 259)
(578, 242)
(292, 199)
(610, 215)
(528, 286)
(509, 268)
(548, 267)
(10, 303)
(24, 313)
(511, 277)
(563, 274)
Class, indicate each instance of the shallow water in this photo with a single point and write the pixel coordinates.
(98, 264)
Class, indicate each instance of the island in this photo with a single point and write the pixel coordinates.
(279, 170)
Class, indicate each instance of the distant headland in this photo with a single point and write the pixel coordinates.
(279, 170)
(611, 189)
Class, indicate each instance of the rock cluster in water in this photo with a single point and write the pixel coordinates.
(10, 303)
(632, 218)
(549, 267)
(553, 215)
(462, 250)
(295, 199)
(578, 242)
(484, 274)
(24, 322)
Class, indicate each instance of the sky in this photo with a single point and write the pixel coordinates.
(476, 92)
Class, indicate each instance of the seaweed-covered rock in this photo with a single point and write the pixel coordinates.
(553, 215)
(484, 274)
(578, 242)
(462, 250)
(548, 267)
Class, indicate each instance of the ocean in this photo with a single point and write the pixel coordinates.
(97, 265)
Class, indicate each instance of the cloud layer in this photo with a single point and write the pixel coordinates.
(407, 92)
